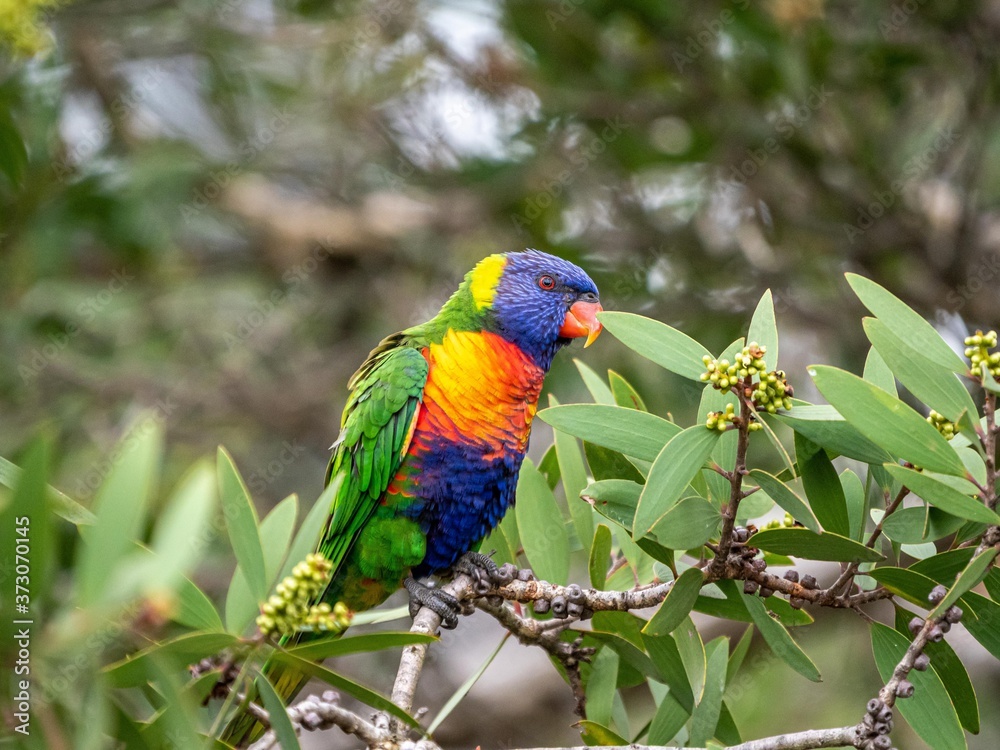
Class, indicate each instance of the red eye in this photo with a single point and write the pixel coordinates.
(546, 282)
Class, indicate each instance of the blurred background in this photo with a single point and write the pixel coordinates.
(215, 209)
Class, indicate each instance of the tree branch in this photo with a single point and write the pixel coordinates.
(808, 740)
(314, 713)
(545, 633)
(412, 661)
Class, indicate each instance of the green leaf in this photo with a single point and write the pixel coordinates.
(625, 395)
(61, 503)
(688, 524)
(929, 711)
(134, 670)
(786, 499)
(678, 603)
(629, 431)
(669, 719)
(465, 687)
(595, 734)
(242, 524)
(854, 495)
(822, 486)
(609, 464)
(727, 732)
(657, 342)
(907, 325)
(724, 452)
(665, 654)
(764, 329)
(984, 624)
(705, 717)
(952, 672)
(947, 493)
(905, 582)
(615, 499)
(194, 608)
(242, 606)
(739, 654)
(28, 524)
(574, 479)
(692, 651)
(182, 533)
(628, 651)
(676, 465)
(120, 507)
(601, 685)
(809, 545)
(944, 566)
(780, 640)
(280, 723)
(600, 557)
(917, 525)
(825, 426)
(992, 584)
(724, 600)
(967, 580)
(549, 466)
(887, 420)
(307, 537)
(935, 385)
(877, 372)
(541, 526)
(174, 725)
(13, 152)
(595, 384)
(504, 539)
(327, 648)
(360, 692)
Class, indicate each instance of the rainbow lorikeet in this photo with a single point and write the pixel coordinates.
(434, 432)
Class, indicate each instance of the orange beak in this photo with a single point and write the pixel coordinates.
(581, 320)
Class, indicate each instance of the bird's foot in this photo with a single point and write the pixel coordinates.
(487, 575)
(440, 602)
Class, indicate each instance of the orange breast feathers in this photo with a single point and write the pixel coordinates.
(481, 390)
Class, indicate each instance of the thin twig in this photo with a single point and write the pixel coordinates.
(718, 564)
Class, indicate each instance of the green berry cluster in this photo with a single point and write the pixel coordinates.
(773, 392)
(769, 391)
(721, 420)
(289, 610)
(781, 523)
(978, 351)
(723, 375)
(941, 424)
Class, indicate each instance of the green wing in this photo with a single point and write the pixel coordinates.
(375, 432)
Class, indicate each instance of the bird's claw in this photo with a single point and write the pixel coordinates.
(486, 574)
(440, 602)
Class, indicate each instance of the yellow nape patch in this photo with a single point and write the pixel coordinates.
(484, 279)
